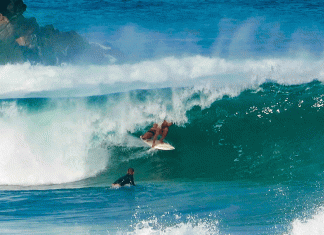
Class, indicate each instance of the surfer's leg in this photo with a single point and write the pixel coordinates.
(164, 134)
(147, 135)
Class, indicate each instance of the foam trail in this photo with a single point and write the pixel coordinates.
(71, 80)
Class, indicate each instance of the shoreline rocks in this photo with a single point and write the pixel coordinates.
(22, 40)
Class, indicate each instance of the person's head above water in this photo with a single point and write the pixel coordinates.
(130, 171)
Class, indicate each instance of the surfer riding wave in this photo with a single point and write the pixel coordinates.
(157, 130)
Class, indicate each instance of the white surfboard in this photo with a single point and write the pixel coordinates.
(163, 146)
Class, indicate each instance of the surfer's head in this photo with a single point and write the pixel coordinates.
(130, 171)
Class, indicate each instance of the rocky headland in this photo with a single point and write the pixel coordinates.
(22, 39)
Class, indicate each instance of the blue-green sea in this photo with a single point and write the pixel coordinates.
(242, 81)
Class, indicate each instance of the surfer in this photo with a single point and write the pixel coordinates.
(157, 130)
(127, 179)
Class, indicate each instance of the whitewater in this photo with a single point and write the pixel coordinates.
(242, 83)
(25, 80)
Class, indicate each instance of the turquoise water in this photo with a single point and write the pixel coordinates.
(241, 81)
(155, 207)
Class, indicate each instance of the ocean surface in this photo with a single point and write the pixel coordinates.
(242, 81)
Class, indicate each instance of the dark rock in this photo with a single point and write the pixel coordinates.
(6, 28)
(22, 39)
(12, 8)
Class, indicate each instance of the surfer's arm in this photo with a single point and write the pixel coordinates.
(132, 181)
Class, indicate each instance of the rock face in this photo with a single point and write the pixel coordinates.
(22, 40)
(6, 29)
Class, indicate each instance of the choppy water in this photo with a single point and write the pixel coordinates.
(242, 82)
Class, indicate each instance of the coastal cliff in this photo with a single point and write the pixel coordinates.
(22, 39)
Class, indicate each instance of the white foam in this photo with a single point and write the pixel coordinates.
(49, 147)
(22, 79)
(187, 228)
(313, 225)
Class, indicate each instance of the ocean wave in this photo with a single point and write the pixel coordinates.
(55, 141)
(270, 132)
(273, 133)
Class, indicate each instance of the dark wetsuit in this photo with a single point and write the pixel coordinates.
(127, 179)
